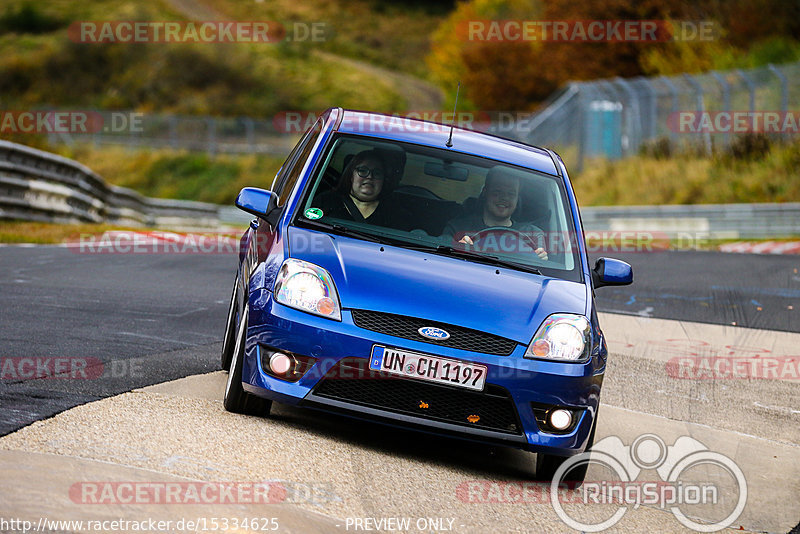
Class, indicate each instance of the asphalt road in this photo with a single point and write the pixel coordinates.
(749, 290)
(133, 319)
(137, 320)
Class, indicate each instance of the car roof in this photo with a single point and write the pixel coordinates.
(433, 134)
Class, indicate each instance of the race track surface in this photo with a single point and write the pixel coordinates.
(749, 290)
(139, 320)
(148, 318)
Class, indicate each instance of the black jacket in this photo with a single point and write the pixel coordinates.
(388, 213)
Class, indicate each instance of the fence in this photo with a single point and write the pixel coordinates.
(609, 118)
(40, 186)
(613, 118)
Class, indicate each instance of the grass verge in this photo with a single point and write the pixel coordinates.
(771, 174)
(50, 233)
(15, 232)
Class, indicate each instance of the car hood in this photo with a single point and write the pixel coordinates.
(371, 276)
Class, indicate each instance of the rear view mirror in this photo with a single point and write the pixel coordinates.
(259, 202)
(611, 272)
(446, 170)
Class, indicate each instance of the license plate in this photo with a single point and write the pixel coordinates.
(427, 367)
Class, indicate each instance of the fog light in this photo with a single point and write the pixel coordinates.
(560, 419)
(280, 363)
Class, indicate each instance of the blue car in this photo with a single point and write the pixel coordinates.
(421, 276)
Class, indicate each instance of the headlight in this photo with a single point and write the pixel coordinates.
(307, 287)
(562, 336)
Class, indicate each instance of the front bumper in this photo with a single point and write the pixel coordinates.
(526, 385)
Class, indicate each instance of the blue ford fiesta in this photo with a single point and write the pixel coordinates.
(421, 276)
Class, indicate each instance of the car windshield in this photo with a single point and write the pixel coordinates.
(443, 202)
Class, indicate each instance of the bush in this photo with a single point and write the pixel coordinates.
(750, 146)
(660, 148)
(27, 19)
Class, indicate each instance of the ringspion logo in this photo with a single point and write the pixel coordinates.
(677, 489)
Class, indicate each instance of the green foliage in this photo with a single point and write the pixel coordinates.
(194, 176)
(754, 169)
(178, 174)
(394, 35)
(27, 18)
(774, 50)
(661, 148)
(685, 56)
(248, 79)
(750, 146)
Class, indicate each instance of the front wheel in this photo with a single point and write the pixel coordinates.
(229, 340)
(548, 464)
(236, 399)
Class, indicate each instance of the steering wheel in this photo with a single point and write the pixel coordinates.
(520, 235)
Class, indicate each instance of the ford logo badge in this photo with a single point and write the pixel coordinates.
(431, 332)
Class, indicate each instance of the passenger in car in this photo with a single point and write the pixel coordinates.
(497, 202)
(364, 194)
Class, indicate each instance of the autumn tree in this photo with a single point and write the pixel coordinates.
(513, 74)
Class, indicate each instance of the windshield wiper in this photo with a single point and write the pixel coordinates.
(442, 250)
(341, 230)
(483, 258)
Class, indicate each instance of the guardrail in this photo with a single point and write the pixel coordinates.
(40, 186)
(714, 221)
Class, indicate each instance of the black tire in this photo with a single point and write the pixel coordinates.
(236, 399)
(548, 464)
(229, 339)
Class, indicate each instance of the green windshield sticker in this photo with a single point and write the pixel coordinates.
(313, 213)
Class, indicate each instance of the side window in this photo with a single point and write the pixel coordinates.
(294, 164)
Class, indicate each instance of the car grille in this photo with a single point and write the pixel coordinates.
(352, 381)
(407, 328)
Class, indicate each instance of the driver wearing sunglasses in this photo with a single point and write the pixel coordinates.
(363, 194)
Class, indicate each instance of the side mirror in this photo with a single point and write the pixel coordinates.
(611, 272)
(259, 202)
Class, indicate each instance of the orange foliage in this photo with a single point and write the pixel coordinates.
(516, 75)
